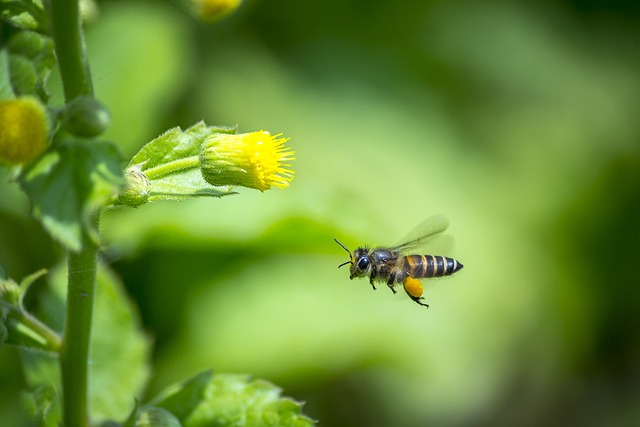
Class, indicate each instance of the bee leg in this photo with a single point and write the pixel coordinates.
(372, 278)
(413, 288)
(424, 304)
(391, 283)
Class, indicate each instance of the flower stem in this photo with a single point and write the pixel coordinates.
(51, 338)
(71, 52)
(70, 49)
(173, 166)
(74, 353)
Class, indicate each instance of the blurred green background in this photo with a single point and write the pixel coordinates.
(517, 121)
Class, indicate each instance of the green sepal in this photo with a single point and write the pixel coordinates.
(68, 183)
(229, 399)
(175, 152)
(176, 144)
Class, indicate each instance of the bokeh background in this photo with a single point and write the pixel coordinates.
(519, 121)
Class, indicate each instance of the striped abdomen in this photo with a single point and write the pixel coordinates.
(424, 266)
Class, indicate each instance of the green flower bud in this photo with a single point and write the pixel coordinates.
(24, 130)
(136, 190)
(255, 160)
(85, 117)
(10, 292)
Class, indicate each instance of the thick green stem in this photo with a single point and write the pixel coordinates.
(74, 353)
(70, 49)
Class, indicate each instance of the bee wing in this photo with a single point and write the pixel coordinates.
(425, 231)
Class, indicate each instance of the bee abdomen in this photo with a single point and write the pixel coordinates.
(420, 266)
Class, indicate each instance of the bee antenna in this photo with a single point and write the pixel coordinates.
(343, 246)
(344, 263)
(348, 251)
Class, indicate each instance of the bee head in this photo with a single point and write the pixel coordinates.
(361, 264)
(359, 260)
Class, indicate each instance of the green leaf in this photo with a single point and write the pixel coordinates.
(120, 350)
(25, 284)
(231, 400)
(68, 183)
(119, 353)
(39, 401)
(184, 185)
(183, 399)
(42, 374)
(150, 416)
(31, 59)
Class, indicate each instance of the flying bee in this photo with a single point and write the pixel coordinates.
(395, 265)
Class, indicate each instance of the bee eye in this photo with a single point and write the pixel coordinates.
(363, 263)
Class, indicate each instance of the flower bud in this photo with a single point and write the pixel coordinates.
(10, 292)
(255, 160)
(136, 189)
(24, 129)
(85, 117)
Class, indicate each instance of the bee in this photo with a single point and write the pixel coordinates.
(395, 265)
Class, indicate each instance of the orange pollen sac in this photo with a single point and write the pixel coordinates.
(413, 287)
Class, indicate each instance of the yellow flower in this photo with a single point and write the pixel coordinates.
(24, 129)
(213, 10)
(256, 160)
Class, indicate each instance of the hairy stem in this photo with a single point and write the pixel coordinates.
(173, 166)
(74, 353)
(70, 50)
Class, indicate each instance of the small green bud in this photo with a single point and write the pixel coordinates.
(9, 292)
(85, 117)
(24, 130)
(136, 190)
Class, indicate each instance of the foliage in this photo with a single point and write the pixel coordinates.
(90, 366)
(516, 120)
